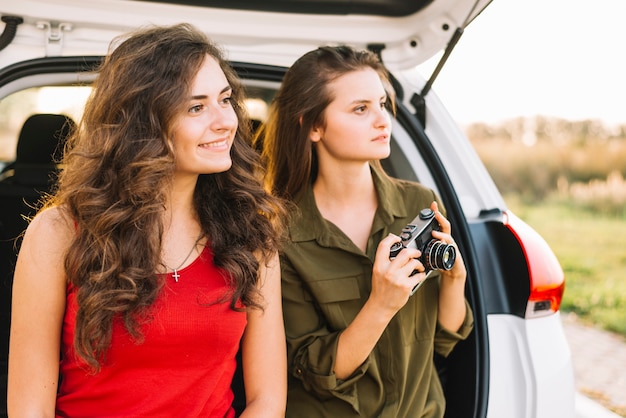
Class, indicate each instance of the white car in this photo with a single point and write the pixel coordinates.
(516, 363)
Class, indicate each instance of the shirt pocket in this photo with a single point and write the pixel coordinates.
(339, 300)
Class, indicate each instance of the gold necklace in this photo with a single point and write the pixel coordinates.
(175, 273)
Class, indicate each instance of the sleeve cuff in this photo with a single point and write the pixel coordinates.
(445, 340)
(328, 386)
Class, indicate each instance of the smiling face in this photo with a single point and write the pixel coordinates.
(357, 125)
(203, 134)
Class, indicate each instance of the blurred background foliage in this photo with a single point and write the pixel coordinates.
(566, 179)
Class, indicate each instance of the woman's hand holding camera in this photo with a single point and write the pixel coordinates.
(458, 270)
(393, 280)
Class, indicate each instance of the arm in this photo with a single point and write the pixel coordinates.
(38, 306)
(264, 355)
(391, 287)
(452, 308)
(323, 295)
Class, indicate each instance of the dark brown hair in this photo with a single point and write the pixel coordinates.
(298, 107)
(117, 168)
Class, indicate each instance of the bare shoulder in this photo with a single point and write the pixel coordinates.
(268, 265)
(269, 278)
(48, 234)
(51, 220)
(39, 281)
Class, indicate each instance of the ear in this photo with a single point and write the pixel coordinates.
(316, 134)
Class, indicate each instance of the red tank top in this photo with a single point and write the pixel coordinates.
(183, 367)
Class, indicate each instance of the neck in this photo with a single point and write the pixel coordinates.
(180, 213)
(346, 191)
(349, 201)
(182, 187)
(182, 237)
(349, 185)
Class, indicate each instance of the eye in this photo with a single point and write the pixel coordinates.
(196, 108)
(227, 100)
(360, 109)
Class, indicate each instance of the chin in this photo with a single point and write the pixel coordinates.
(382, 155)
(221, 167)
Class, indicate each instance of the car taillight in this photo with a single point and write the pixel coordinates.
(547, 281)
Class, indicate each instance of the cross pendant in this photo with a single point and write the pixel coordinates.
(175, 275)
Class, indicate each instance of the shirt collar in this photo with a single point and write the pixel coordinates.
(315, 227)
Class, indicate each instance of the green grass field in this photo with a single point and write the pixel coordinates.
(592, 252)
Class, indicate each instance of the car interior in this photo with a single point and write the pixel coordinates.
(22, 184)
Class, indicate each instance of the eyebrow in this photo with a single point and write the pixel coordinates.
(359, 101)
(204, 96)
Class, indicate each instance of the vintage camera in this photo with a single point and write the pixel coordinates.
(436, 255)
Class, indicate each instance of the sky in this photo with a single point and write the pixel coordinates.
(560, 58)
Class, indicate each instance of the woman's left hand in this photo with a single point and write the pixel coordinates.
(458, 270)
(452, 309)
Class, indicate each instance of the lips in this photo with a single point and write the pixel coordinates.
(220, 144)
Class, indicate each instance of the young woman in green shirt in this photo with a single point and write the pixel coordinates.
(358, 343)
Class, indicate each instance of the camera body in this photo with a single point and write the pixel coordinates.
(436, 255)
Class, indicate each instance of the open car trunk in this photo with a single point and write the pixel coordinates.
(65, 39)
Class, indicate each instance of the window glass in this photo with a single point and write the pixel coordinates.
(16, 108)
(70, 101)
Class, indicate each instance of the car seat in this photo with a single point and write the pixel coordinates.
(22, 185)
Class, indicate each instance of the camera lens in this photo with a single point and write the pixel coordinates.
(439, 256)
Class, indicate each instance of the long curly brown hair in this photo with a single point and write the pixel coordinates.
(117, 167)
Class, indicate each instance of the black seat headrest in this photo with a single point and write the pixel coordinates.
(42, 138)
(39, 149)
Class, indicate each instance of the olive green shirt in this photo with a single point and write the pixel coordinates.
(326, 280)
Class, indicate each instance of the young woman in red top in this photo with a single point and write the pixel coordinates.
(156, 260)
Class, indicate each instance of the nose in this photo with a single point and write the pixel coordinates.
(383, 119)
(223, 118)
